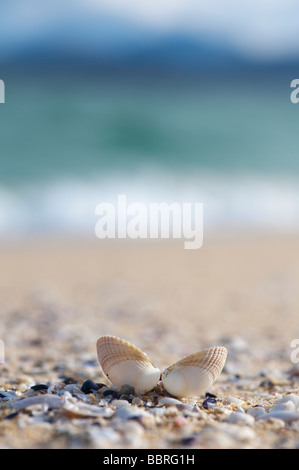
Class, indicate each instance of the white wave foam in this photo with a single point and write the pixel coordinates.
(232, 203)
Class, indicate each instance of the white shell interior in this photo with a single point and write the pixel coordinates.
(186, 381)
(142, 376)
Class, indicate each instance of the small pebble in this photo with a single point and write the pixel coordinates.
(157, 411)
(168, 401)
(241, 433)
(126, 390)
(47, 400)
(103, 437)
(137, 401)
(101, 385)
(258, 412)
(70, 380)
(210, 395)
(187, 407)
(11, 415)
(78, 409)
(235, 401)
(237, 344)
(276, 423)
(89, 387)
(289, 401)
(110, 393)
(39, 387)
(119, 403)
(237, 417)
(284, 406)
(133, 434)
(209, 403)
(180, 421)
(188, 440)
(267, 383)
(73, 389)
(148, 404)
(129, 412)
(9, 395)
(295, 426)
(171, 411)
(221, 410)
(129, 398)
(286, 416)
(56, 386)
(190, 414)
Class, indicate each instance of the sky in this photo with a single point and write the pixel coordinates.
(260, 29)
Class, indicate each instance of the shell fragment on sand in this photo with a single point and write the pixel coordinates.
(194, 374)
(47, 401)
(123, 363)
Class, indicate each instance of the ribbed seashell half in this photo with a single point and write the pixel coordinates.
(123, 363)
(194, 374)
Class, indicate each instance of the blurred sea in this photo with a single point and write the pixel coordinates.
(69, 140)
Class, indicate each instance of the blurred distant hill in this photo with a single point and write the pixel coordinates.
(113, 43)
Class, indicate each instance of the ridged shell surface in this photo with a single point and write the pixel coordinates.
(194, 374)
(123, 363)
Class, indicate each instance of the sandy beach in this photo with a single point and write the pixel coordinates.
(57, 297)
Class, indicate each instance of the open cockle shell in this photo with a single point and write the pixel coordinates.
(194, 374)
(123, 363)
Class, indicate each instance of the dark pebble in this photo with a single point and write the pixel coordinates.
(59, 368)
(38, 387)
(62, 377)
(127, 390)
(12, 415)
(36, 342)
(50, 419)
(89, 387)
(112, 393)
(267, 383)
(126, 397)
(210, 395)
(187, 440)
(101, 385)
(207, 401)
(70, 380)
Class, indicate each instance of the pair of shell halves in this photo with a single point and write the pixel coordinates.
(123, 363)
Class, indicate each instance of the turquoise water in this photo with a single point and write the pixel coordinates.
(68, 141)
(52, 126)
